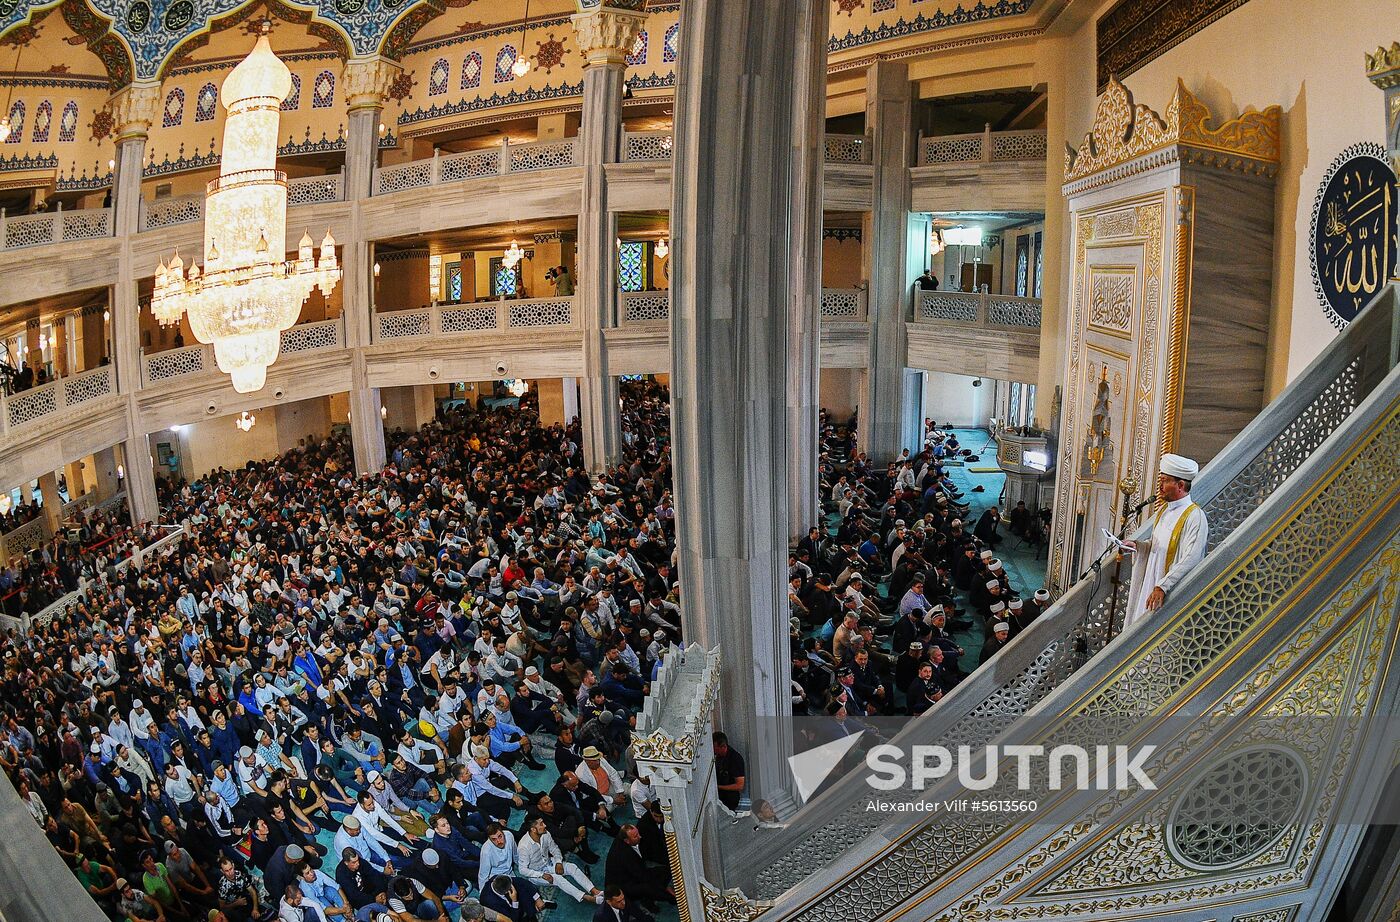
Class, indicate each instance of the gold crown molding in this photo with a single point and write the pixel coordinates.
(730, 905)
(1124, 131)
(1383, 67)
(134, 109)
(606, 35)
(366, 81)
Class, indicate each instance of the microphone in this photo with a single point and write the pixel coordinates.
(1143, 505)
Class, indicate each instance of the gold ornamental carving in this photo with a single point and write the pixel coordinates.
(1124, 131)
(730, 905)
(606, 35)
(366, 81)
(1383, 67)
(134, 110)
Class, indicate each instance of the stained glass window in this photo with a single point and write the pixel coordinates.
(670, 46)
(1030, 403)
(1039, 264)
(323, 90)
(503, 279)
(68, 122)
(454, 281)
(43, 117)
(471, 70)
(504, 59)
(204, 102)
(1023, 265)
(293, 100)
(1014, 410)
(16, 122)
(174, 112)
(632, 264)
(437, 77)
(638, 54)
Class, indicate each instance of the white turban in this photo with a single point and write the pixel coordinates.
(998, 608)
(992, 584)
(1177, 466)
(1000, 626)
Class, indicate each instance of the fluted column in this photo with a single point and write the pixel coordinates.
(804, 304)
(888, 119)
(134, 109)
(604, 36)
(366, 82)
(742, 63)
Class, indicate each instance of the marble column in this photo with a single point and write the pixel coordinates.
(604, 37)
(731, 285)
(888, 119)
(366, 82)
(133, 109)
(53, 503)
(808, 155)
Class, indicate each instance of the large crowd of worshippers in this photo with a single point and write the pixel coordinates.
(336, 697)
(878, 591)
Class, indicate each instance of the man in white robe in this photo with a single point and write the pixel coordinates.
(1178, 541)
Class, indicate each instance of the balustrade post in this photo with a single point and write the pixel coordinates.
(987, 143)
(503, 167)
(435, 177)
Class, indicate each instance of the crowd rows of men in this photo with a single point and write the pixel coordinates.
(875, 606)
(401, 697)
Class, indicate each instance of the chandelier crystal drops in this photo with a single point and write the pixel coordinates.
(247, 294)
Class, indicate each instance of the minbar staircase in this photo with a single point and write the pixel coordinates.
(1265, 684)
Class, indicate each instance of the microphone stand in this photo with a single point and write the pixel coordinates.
(1128, 487)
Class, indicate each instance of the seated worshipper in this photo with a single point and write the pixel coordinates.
(378, 821)
(514, 899)
(566, 825)
(572, 794)
(1001, 635)
(368, 846)
(486, 798)
(615, 908)
(599, 774)
(455, 848)
(533, 713)
(410, 901)
(387, 798)
(645, 883)
(540, 861)
(364, 886)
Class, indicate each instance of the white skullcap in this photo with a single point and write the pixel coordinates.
(1000, 626)
(986, 555)
(994, 564)
(1042, 595)
(1177, 466)
(992, 584)
(998, 608)
(1014, 605)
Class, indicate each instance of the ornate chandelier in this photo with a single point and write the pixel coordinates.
(247, 293)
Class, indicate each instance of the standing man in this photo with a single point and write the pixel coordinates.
(1177, 544)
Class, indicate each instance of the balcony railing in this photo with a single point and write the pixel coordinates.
(984, 147)
(59, 227)
(182, 209)
(843, 304)
(847, 148)
(647, 145)
(644, 307)
(642, 146)
(486, 316)
(998, 312)
(193, 360)
(473, 164)
(40, 402)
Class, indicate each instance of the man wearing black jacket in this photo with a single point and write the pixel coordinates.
(363, 885)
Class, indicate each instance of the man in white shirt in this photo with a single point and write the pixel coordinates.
(540, 862)
(1177, 544)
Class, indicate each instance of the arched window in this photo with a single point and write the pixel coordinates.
(16, 122)
(437, 77)
(504, 59)
(293, 100)
(638, 54)
(323, 91)
(670, 46)
(174, 112)
(471, 71)
(206, 103)
(68, 122)
(43, 117)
